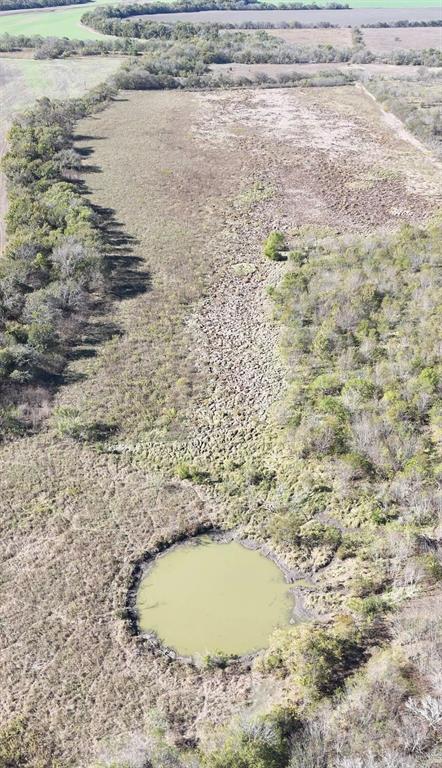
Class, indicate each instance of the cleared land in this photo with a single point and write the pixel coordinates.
(22, 81)
(390, 71)
(388, 40)
(345, 18)
(186, 366)
(340, 38)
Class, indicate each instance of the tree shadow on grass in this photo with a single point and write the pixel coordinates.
(124, 277)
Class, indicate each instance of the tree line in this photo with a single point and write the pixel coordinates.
(53, 270)
(57, 47)
(184, 6)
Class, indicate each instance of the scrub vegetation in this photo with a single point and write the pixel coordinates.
(52, 264)
(222, 309)
(418, 104)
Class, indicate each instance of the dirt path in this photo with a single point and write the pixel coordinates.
(397, 126)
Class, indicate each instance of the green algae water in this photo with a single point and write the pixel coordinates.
(208, 597)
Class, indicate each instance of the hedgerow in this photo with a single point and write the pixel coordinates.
(53, 268)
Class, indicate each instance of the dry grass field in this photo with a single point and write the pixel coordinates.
(184, 366)
(339, 37)
(416, 38)
(351, 17)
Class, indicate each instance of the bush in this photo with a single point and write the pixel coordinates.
(371, 606)
(314, 534)
(260, 743)
(317, 658)
(273, 247)
(432, 565)
(186, 471)
(69, 423)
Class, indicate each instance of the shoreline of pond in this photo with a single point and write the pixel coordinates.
(149, 640)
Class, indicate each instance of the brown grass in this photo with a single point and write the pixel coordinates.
(339, 37)
(416, 38)
(184, 365)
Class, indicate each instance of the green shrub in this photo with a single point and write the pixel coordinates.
(23, 746)
(285, 526)
(317, 658)
(273, 247)
(261, 743)
(10, 422)
(69, 423)
(429, 379)
(186, 471)
(314, 534)
(361, 387)
(371, 606)
(219, 660)
(432, 565)
(326, 384)
(349, 546)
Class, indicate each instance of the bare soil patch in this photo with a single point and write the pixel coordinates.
(416, 38)
(185, 365)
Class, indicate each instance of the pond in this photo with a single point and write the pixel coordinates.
(209, 597)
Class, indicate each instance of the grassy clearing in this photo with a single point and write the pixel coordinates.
(185, 368)
(23, 81)
(387, 40)
(340, 38)
(56, 23)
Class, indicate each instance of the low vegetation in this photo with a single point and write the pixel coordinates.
(417, 103)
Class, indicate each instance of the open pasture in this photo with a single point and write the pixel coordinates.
(339, 38)
(352, 17)
(56, 22)
(183, 365)
(416, 38)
